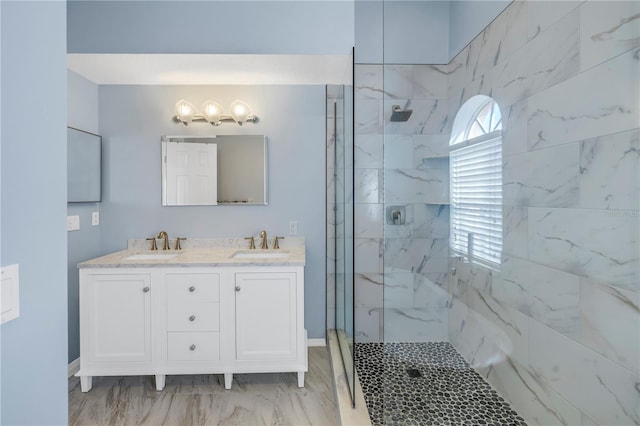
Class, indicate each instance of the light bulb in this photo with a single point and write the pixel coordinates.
(212, 112)
(240, 111)
(185, 111)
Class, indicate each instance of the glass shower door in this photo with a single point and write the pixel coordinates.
(340, 111)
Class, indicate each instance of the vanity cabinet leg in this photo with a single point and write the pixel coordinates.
(85, 383)
(228, 378)
(301, 379)
(160, 381)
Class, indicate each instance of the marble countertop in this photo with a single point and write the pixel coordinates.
(198, 257)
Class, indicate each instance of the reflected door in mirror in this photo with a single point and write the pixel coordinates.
(191, 174)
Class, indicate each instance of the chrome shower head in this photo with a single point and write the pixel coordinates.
(400, 114)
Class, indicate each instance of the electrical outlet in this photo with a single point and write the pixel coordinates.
(73, 223)
(293, 227)
(95, 218)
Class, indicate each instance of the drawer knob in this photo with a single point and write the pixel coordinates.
(192, 289)
(146, 289)
(192, 347)
(237, 288)
(192, 318)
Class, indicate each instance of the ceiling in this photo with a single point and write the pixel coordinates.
(198, 69)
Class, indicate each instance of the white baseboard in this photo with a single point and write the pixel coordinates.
(74, 367)
(316, 342)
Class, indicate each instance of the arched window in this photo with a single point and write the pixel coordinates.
(476, 182)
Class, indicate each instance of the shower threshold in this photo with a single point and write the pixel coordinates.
(347, 415)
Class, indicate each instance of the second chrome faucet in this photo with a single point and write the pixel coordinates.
(165, 241)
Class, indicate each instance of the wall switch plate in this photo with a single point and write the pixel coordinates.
(95, 218)
(73, 223)
(9, 293)
(293, 227)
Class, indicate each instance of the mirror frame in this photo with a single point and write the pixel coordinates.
(96, 175)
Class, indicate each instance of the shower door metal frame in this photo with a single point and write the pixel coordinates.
(344, 216)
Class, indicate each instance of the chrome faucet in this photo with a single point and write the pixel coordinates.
(165, 237)
(265, 244)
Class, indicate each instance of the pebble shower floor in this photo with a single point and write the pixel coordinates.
(427, 384)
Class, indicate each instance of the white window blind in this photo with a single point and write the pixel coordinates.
(476, 199)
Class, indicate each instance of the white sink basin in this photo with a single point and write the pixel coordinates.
(260, 254)
(155, 256)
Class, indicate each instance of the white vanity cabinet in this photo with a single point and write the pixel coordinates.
(269, 332)
(115, 324)
(191, 320)
(193, 317)
(189, 332)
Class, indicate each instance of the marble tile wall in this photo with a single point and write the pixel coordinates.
(401, 269)
(557, 329)
(369, 207)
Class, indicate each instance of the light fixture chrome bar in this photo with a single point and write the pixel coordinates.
(199, 117)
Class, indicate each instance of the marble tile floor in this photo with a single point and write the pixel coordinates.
(255, 399)
(427, 384)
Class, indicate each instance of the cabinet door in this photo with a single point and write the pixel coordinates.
(265, 316)
(118, 318)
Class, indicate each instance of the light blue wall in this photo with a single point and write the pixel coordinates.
(0, 199)
(134, 118)
(84, 244)
(468, 18)
(33, 191)
(368, 26)
(82, 103)
(401, 32)
(416, 32)
(233, 27)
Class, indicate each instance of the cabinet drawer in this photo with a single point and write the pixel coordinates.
(194, 346)
(194, 316)
(193, 287)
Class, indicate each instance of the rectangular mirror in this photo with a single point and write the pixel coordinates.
(211, 170)
(84, 158)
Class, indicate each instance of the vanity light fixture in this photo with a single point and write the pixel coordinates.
(185, 111)
(212, 112)
(240, 111)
